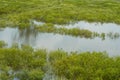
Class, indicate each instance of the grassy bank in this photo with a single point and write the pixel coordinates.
(27, 64)
(18, 13)
(85, 66)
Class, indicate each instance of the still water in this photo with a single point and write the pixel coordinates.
(95, 27)
(51, 41)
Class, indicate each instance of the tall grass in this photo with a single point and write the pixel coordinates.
(19, 13)
(28, 64)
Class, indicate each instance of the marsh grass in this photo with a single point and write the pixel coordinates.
(76, 32)
(64, 31)
(19, 13)
(2, 44)
(22, 63)
(85, 66)
(29, 64)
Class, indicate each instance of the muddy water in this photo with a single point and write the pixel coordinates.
(52, 41)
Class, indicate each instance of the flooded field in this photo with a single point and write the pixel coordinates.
(51, 41)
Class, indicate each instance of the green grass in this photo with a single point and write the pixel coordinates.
(24, 63)
(64, 31)
(18, 13)
(27, 64)
(85, 66)
(2, 44)
(76, 32)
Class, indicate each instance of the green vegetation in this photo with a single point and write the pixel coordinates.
(2, 44)
(113, 36)
(27, 64)
(77, 32)
(85, 66)
(64, 31)
(19, 13)
(24, 64)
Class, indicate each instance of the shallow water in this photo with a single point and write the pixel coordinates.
(95, 27)
(37, 23)
(52, 41)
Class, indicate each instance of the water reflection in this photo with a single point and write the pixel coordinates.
(37, 23)
(102, 30)
(94, 27)
(27, 36)
(14, 35)
(113, 36)
(50, 41)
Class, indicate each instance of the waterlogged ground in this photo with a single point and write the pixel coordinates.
(54, 32)
(51, 41)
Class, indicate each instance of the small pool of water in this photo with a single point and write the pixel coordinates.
(52, 41)
(95, 27)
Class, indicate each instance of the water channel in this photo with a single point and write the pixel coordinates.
(51, 41)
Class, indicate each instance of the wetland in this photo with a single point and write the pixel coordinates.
(59, 40)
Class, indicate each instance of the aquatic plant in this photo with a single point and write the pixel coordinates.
(18, 13)
(77, 32)
(74, 31)
(87, 66)
(113, 35)
(24, 64)
(103, 36)
(2, 44)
